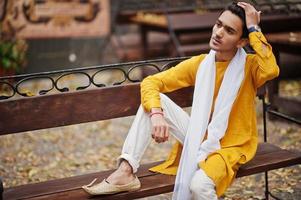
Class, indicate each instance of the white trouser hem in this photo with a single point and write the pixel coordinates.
(202, 187)
(134, 164)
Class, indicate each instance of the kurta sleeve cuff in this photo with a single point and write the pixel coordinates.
(257, 40)
(257, 37)
(152, 103)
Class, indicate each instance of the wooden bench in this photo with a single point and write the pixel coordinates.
(40, 112)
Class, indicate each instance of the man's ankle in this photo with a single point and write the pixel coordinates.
(125, 167)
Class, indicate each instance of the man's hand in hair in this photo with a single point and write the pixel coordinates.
(252, 15)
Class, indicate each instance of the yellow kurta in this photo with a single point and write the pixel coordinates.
(239, 143)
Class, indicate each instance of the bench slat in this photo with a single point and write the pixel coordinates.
(41, 112)
(269, 161)
(65, 184)
(156, 184)
(63, 109)
(268, 157)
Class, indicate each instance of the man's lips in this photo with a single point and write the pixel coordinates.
(216, 41)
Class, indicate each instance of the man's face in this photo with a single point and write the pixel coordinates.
(226, 33)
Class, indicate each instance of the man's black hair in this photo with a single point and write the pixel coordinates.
(240, 12)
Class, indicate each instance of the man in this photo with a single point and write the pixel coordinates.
(221, 134)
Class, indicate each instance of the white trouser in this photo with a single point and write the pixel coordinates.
(139, 137)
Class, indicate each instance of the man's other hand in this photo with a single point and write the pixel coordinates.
(160, 128)
(252, 15)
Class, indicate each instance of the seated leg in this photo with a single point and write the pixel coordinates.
(139, 135)
(135, 144)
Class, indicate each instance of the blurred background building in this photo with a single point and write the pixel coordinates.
(64, 34)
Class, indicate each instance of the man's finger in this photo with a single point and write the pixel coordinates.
(241, 5)
(166, 134)
(158, 135)
(246, 6)
(157, 139)
(162, 134)
(156, 132)
(153, 132)
(250, 7)
(241, 2)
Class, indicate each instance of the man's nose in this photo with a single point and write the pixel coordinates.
(219, 32)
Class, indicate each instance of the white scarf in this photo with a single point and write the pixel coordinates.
(193, 151)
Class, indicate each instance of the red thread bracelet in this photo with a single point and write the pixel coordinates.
(153, 113)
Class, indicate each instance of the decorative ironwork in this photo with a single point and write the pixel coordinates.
(55, 77)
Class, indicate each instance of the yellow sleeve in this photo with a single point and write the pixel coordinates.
(180, 76)
(264, 66)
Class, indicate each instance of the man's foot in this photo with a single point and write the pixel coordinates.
(120, 180)
(123, 175)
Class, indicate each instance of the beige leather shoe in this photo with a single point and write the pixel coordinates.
(107, 188)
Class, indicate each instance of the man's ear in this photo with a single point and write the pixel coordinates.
(242, 42)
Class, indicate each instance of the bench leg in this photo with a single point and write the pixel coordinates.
(274, 197)
(266, 192)
(266, 175)
(1, 189)
(273, 88)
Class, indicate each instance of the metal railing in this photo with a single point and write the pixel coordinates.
(13, 84)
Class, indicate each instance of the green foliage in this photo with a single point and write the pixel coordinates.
(12, 51)
(12, 54)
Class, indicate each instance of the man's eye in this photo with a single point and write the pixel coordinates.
(230, 31)
(218, 24)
